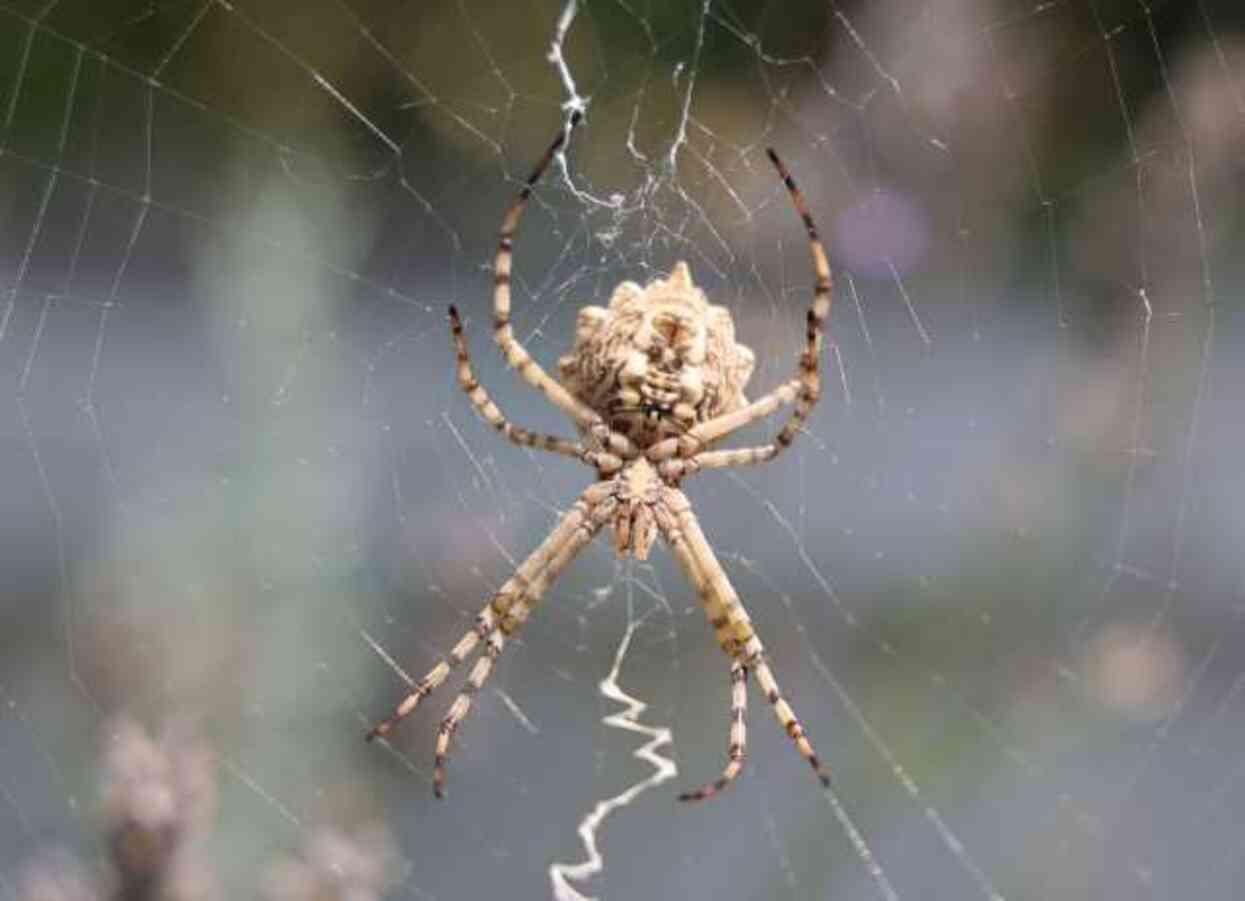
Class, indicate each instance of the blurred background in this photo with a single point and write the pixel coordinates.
(999, 576)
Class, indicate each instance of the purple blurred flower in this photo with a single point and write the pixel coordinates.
(882, 229)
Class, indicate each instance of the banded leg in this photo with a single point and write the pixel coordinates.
(498, 607)
(462, 706)
(717, 459)
(786, 716)
(726, 613)
(503, 334)
(736, 748)
(491, 414)
(703, 434)
(486, 622)
(509, 621)
(804, 390)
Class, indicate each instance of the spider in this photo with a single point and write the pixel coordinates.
(651, 383)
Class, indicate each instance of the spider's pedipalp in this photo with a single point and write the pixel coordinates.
(736, 749)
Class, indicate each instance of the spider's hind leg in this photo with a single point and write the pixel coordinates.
(730, 622)
(786, 716)
(486, 622)
(515, 594)
(458, 711)
(576, 530)
(508, 609)
(738, 741)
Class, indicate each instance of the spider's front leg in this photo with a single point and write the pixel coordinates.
(508, 609)
(735, 634)
(517, 356)
(687, 453)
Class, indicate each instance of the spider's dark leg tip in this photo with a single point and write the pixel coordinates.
(453, 311)
(773, 156)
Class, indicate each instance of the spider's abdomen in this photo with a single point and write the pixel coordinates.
(658, 360)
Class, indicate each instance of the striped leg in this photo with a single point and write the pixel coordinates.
(503, 334)
(486, 621)
(462, 706)
(804, 390)
(786, 716)
(700, 436)
(717, 459)
(731, 623)
(508, 622)
(490, 413)
(738, 741)
(495, 613)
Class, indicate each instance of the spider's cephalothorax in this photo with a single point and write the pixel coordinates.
(638, 492)
(652, 383)
(657, 360)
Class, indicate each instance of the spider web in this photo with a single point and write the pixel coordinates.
(998, 575)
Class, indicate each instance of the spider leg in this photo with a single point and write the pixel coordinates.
(503, 334)
(731, 623)
(736, 748)
(493, 614)
(804, 390)
(818, 312)
(705, 433)
(462, 706)
(718, 459)
(491, 414)
(509, 621)
(485, 623)
(786, 716)
(720, 426)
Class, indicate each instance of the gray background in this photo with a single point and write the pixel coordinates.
(999, 576)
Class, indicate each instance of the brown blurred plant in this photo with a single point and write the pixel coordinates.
(55, 876)
(336, 866)
(158, 800)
